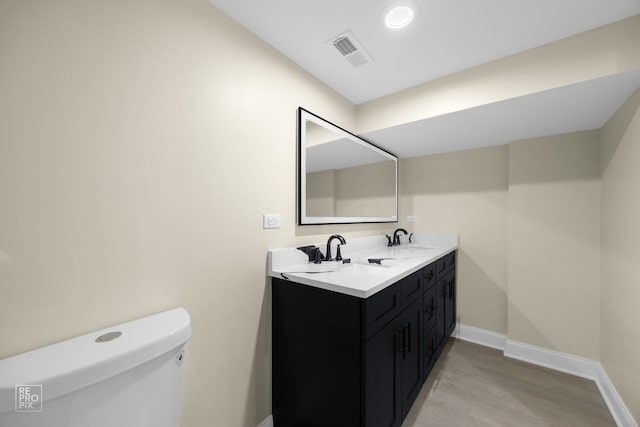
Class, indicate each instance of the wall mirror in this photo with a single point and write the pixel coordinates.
(342, 178)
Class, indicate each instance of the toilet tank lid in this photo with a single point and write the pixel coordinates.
(69, 365)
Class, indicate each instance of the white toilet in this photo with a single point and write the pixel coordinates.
(129, 375)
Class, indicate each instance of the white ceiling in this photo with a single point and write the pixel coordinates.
(445, 37)
(340, 154)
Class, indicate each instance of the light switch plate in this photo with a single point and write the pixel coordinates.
(412, 218)
(271, 221)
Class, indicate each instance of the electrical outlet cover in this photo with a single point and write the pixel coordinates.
(271, 221)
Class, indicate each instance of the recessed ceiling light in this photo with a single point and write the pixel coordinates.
(398, 17)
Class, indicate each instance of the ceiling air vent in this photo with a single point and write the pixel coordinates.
(351, 49)
(344, 46)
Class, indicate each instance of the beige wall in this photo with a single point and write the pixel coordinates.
(367, 190)
(620, 295)
(516, 208)
(320, 194)
(553, 229)
(140, 143)
(465, 193)
(358, 191)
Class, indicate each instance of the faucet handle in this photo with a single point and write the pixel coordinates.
(338, 254)
(388, 240)
(313, 252)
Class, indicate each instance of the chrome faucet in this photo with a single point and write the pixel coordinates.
(335, 236)
(396, 236)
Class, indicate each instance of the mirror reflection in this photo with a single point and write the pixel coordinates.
(343, 178)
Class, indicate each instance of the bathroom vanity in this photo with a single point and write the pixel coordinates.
(358, 355)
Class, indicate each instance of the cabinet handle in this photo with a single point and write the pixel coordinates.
(432, 347)
(405, 341)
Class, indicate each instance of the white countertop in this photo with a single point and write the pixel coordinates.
(360, 278)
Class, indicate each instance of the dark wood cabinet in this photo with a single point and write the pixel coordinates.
(445, 298)
(412, 364)
(317, 356)
(440, 302)
(379, 309)
(412, 287)
(383, 377)
(449, 302)
(430, 341)
(340, 360)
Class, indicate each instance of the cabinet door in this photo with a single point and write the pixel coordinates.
(430, 351)
(412, 362)
(440, 311)
(430, 307)
(430, 341)
(450, 303)
(382, 376)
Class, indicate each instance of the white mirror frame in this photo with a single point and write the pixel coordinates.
(305, 116)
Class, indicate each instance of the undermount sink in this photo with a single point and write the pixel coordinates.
(362, 268)
(324, 267)
(408, 251)
(358, 266)
(383, 262)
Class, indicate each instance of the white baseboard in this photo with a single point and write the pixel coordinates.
(480, 336)
(551, 359)
(557, 361)
(618, 409)
(267, 422)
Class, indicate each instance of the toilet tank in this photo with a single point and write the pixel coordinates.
(128, 375)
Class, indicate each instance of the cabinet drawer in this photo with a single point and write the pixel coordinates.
(412, 288)
(380, 308)
(429, 275)
(446, 263)
(429, 308)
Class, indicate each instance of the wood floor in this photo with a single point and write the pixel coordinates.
(472, 385)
